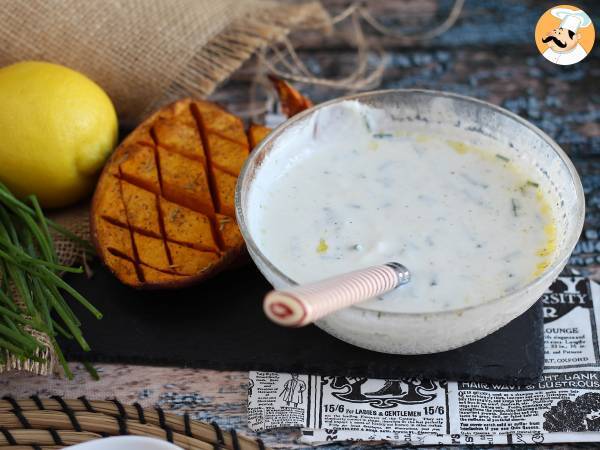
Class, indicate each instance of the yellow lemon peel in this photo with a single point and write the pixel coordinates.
(57, 128)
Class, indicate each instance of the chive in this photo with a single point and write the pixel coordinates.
(7, 300)
(10, 258)
(366, 121)
(502, 157)
(58, 267)
(25, 340)
(22, 288)
(40, 217)
(5, 220)
(29, 265)
(25, 262)
(56, 295)
(15, 350)
(9, 323)
(76, 295)
(75, 331)
(3, 277)
(13, 326)
(91, 370)
(515, 207)
(529, 183)
(42, 303)
(64, 333)
(5, 312)
(61, 359)
(8, 199)
(37, 233)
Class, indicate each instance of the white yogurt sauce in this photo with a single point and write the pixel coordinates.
(356, 188)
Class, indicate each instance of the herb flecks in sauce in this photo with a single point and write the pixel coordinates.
(515, 207)
(366, 122)
(473, 181)
(528, 186)
(429, 201)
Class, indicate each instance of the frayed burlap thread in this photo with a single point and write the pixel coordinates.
(44, 366)
(145, 53)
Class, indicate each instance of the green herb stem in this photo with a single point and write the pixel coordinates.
(91, 370)
(8, 199)
(76, 295)
(30, 271)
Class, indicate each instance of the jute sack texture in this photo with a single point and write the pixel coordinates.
(146, 53)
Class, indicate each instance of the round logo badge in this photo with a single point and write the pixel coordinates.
(564, 35)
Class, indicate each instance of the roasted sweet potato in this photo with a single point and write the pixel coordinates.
(292, 102)
(257, 133)
(163, 213)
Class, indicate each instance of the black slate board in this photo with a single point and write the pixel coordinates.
(220, 325)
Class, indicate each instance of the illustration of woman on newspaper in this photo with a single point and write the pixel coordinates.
(292, 391)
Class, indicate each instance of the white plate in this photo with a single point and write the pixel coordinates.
(126, 443)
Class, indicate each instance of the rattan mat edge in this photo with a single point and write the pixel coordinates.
(54, 423)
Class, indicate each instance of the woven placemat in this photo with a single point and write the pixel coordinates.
(54, 423)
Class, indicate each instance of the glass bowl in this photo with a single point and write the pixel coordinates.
(419, 333)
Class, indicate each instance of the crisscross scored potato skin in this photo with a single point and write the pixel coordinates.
(163, 211)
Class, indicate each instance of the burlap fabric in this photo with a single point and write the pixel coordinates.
(144, 53)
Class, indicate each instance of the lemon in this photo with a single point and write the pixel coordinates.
(57, 127)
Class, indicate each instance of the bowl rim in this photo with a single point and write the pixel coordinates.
(560, 262)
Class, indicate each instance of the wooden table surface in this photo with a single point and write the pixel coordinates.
(488, 54)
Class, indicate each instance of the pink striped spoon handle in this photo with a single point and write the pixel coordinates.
(298, 306)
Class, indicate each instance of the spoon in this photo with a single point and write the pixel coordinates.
(301, 305)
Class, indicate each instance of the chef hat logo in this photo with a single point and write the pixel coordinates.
(564, 34)
(571, 19)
